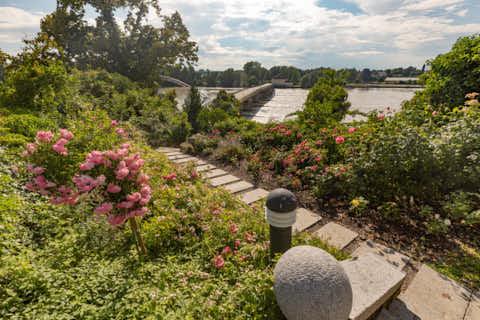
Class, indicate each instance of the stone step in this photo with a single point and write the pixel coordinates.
(220, 181)
(336, 235)
(175, 153)
(254, 195)
(168, 149)
(186, 160)
(178, 156)
(431, 296)
(215, 173)
(393, 257)
(305, 219)
(205, 167)
(238, 187)
(374, 281)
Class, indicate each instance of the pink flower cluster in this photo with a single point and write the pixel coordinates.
(125, 193)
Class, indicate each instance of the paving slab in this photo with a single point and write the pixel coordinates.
(335, 235)
(206, 167)
(186, 160)
(174, 153)
(305, 219)
(179, 156)
(238, 187)
(473, 311)
(220, 181)
(432, 296)
(254, 195)
(374, 281)
(215, 173)
(394, 257)
(167, 149)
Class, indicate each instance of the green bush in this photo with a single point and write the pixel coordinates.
(26, 124)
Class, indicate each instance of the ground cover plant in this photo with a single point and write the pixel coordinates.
(207, 254)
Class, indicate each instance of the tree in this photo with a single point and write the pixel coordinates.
(227, 78)
(454, 74)
(35, 79)
(193, 107)
(366, 75)
(139, 51)
(326, 102)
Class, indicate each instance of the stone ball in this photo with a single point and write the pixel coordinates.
(281, 200)
(310, 284)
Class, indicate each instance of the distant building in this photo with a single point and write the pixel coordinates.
(281, 83)
(401, 80)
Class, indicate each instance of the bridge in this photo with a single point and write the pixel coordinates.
(176, 81)
(249, 96)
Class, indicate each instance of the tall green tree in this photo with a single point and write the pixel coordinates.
(193, 107)
(138, 51)
(326, 102)
(454, 74)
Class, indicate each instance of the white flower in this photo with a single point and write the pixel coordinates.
(437, 216)
(447, 222)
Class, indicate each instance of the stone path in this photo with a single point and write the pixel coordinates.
(375, 271)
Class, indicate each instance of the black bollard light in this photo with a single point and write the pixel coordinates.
(281, 214)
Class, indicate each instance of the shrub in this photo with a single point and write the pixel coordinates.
(208, 118)
(35, 79)
(26, 124)
(230, 150)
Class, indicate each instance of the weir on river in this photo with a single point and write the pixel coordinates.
(286, 101)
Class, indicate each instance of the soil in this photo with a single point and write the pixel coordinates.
(406, 235)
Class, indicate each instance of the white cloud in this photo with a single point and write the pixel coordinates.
(18, 19)
(16, 25)
(362, 53)
(230, 33)
(430, 4)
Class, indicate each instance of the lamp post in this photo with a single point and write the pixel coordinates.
(281, 214)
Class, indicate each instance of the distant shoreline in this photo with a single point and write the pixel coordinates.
(382, 85)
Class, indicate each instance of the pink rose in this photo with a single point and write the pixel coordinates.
(125, 205)
(218, 262)
(104, 208)
(113, 188)
(120, 132)
(339, 140)
(122, 173)
(134, 197)
(38, 170)
(66, 134)
(380, 116)
(31, 147)
(116, 220)
(44, 136)
(113, 123)
(144, 200)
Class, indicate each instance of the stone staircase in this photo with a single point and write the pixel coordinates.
(376, 272)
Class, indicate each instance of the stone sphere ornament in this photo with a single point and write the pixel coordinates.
(311, 284)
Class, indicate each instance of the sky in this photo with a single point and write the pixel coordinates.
(375, 34)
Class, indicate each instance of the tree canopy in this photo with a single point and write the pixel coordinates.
(139, 50)
(455, 73)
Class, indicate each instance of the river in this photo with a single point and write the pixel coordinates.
(286, 101)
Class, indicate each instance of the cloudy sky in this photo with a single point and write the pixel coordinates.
(304, 33)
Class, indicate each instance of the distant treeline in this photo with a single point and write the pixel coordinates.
(253, 74)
